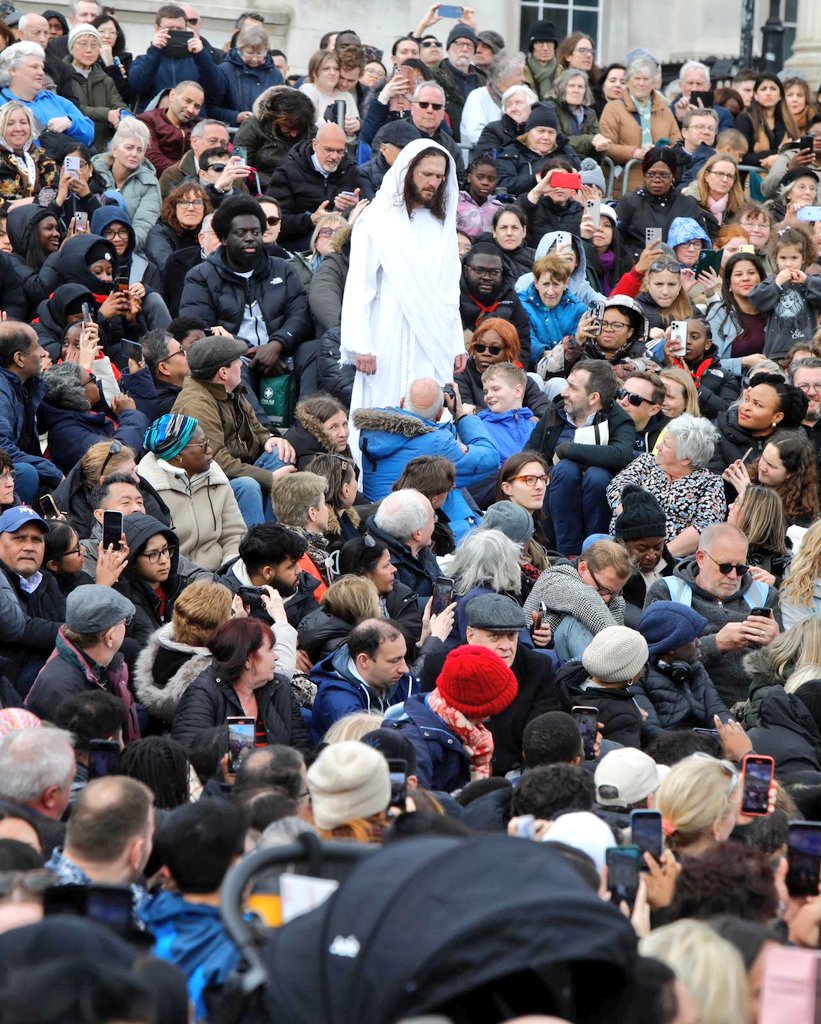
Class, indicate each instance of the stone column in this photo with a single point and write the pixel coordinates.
(805, 58)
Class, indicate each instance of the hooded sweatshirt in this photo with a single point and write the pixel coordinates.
(51, 321)
(136, 266)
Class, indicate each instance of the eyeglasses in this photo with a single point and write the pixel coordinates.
(601, 589)
(127, 622)
(428, 43)
(74, 551)
(659, 175)
(585, 51)
(483, 271)
(532, 480)
(611, 326)
(115, 449)
(635, 400)
(273, 221)
(660, 265)
(205, 445)
(154, 556)
(727, 175)
(327, 232)
(494, 350)
(34, 883)
(180, 352)
(692, 243)
(427, 105)
(725, 568)
(809, 388)
(113, 233)
(193, 203)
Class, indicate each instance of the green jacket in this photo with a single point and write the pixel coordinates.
(140, 192)
(97, 96)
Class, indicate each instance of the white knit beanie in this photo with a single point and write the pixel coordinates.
(616, 654)
(348, 780)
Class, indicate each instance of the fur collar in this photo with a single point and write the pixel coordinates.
(315, 428)
(391, 421)
(162, 701)
(334, 526)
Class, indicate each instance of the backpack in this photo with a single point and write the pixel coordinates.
(682, 593)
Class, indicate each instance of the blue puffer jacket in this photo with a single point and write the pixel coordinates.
(549, 326)
(509, 431)
(73, 431)
(390, 438)
(579, 286)
(442, 762)
(241, 85)
(192, 936)
(340, 693)
(13, 426)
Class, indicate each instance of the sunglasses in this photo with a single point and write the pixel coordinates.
(427, 105)
(630, 396)
(428, 43)
(725, 568)
(659, 265)
(216, 167)
(494, 350)
(115, 449)
(273, 221)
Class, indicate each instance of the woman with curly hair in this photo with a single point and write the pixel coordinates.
(787, 465)
(801, 590)
(181, 216)
(282, 118)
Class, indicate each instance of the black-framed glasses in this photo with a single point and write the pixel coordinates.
(613, 325)
(725, 568)
(601, 589)
(494, 350)
(180, 352)
(155, 556)
(115, 449)
(632, 398)
(428, 105)
(658, 265)
(74, 551)
(659, 175)
(484, 271)
(428, 43)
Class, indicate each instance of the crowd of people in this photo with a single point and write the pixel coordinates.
(418, 457)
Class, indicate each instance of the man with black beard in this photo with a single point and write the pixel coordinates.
(255, 297)
(487, 291)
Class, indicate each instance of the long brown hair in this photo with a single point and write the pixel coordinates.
(735, 198)
(799, 492)
(756, 114)
(568, 45)
(439, 202)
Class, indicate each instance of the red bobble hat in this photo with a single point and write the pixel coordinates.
(475, 681)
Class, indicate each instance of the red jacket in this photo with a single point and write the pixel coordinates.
(168, 143)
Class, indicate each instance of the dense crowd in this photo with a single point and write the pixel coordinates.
(409, 470)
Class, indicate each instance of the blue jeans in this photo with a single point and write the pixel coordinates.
(571, 638)
(577, 504)
(255, 506)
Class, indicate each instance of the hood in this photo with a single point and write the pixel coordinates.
(548, 242)
(22, 222)
(161, 701)
(785, 711)
(164, 477)
(107, 215)
(64, 295)
(140, 528)
(633, 311)
(685, 229)
(759, 669)
(315, 428)
(60, 17)
(390, 429)
(71, 262)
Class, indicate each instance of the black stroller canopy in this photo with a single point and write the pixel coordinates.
(427, 921)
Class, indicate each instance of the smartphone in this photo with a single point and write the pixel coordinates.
(806, 142)
(340, 112)
(803, 857)
(816, 143)
(713, 733)
(587, 720)
(593, 209)
(112, 530)
(564, 240)
(596, 313)
(111, 905)
(526, 827)
(81, 222)
(707, 98)
(122, 284)
(652, 235)
(398, 771)
(678, 337)
(177, 45)
(86, 313)
(757, 771)
(133, 350)
(566, 179)
(103, 758)
(48, 506)
(409, 74)
(240, 739)
(808, 214)
(449, 11)
(241, 152)
(765, 613)
(708, 259)
(746, 248)
(442, 594)
(71, 165)
(348, 195)
(537, 622)
(623, 867)
(646, 833)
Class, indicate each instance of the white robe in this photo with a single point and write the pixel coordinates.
(401, 301)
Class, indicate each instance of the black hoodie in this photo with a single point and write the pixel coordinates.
(22, 222)
(150, 615)
(51, 319)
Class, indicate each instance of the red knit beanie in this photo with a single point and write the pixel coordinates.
(475, 681)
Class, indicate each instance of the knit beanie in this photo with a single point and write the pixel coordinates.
(592, 174)
(167, 436)
(641, 515)
(542, 115)
(82, 30)
(515, 522)
(475, 681)
(615, 655)
(348, 780)
(461, 32)
(666, 625)
(101, 250)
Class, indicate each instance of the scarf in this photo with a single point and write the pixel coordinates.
(607, 261)
(476, 739)
(543, 75)
(645, 111)
(483, 310)
(718, 207)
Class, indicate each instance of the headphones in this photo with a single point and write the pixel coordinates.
(679, 671)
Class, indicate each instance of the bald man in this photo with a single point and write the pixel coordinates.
(33, 28)
(317, 177)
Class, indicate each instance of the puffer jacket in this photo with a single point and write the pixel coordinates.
(22, 225)
(327, 284)
(734, 443)
(416, 572)
(546, 215)
(266, 147)
(51, 321)
(578, 285)
(206, 516)
(72, 431)
(763, 679)
(496, 136)
(97, 96)
(165, 669)
(518, 164)
(787, 732)
(390, 438)
(140, 192)
(639, 210)
(549, 326)
(19, 401)
(332, 375)
(618, 709)
(469, 382)
(505, 304)
(320, 634)
(241, 85)
(669, 705)
(442, 762)
(508, 430)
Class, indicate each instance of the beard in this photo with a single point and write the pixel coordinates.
(244, 261)
(418, 199)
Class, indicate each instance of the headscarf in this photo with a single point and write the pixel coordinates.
(167, 436)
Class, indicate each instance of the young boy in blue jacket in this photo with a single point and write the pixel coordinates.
(508, 422)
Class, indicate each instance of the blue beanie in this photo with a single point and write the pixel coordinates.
(667, 625)
(167, 436)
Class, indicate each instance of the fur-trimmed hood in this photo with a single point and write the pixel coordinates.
(391, 421)
(335, 527)
(161, 701)
(759, 669)
(316, 428)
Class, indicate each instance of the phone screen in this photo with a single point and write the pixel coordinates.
(587, 720)
(596, 313)
(623, 873)
(803, 857)
(241, 152)
(442, 594)
(645, 832)
(112, 907)
(112, 530)
(240, 739)
(48, 506)
(758, 777)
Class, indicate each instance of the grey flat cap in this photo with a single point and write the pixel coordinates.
(495, 612)
(93, 608)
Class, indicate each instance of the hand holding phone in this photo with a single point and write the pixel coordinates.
(677, 345)
(803, 857)
(757, 773)
(587, 719)
(623, 867)
(442, 594)
(652, 235)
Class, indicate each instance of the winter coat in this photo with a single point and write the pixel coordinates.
(537, 694)
(234, 575)
(618, 710)
(174, 275)
(15, 185)
(241, 85)
(19, 401)
(332, 375)
(670, 705)
(565, 593)
(787, 732)
(371, 174)
(504, 304)
(153, 73)
(71, 432)
(390, 438)
(185, 168)
(214, 293)
(621, 124)
(163, 241)
(140, 192)
(309, 438)
(165, 669)
(97, 96)
(636, 211)
(228, 421)
(580, 136)
(320, 634)
(266, 149)
(509, 431)
(794, 312)
(469, 382)
(690, 164)
(46, 105)
(768, 146)
(206, 516)
(457, 86)
(22, 225)
(734, 443)
(28, 626)
(136, 266)
(299, 189)
(327, 288)
(717, 388)
(549, 326)
(473, 219)
(496, 136)
(519, 165)
(578, 284)
(442, 762)
(416, 572)
(50, 323)
(612, 456)
(763, 679)
(726, 669)
(545, 216)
